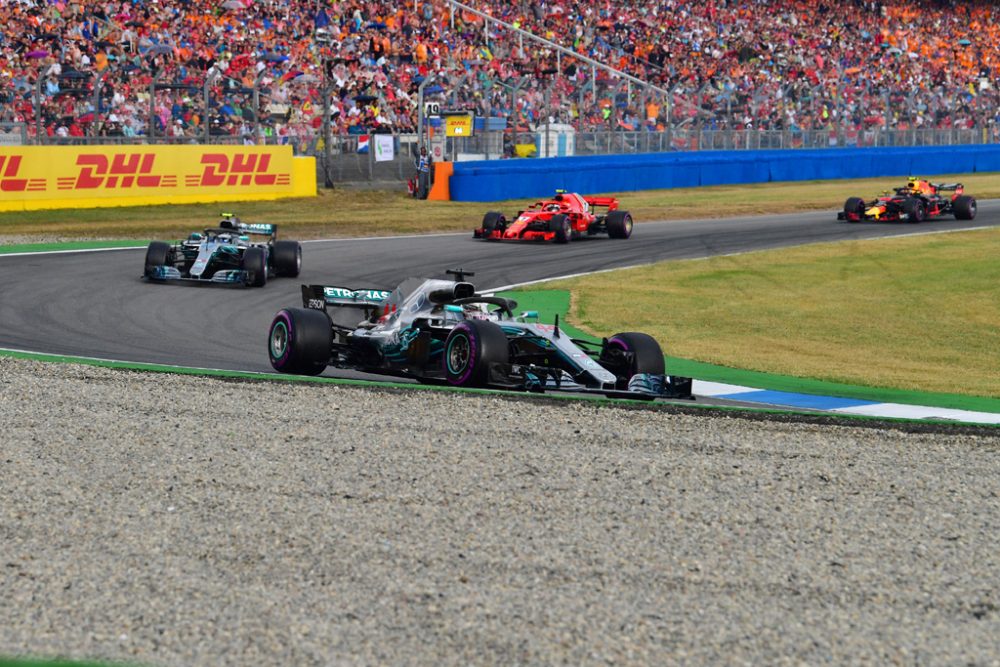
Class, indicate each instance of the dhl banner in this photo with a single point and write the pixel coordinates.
(42, 177)
(458, 125)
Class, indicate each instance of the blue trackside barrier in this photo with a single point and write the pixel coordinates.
(528, 178)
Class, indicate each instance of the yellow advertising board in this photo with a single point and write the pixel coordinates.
(40, 177)
(458, 125)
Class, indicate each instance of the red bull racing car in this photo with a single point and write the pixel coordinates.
(564, 217)
(916, 201)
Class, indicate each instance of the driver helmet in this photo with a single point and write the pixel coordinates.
(475, 311)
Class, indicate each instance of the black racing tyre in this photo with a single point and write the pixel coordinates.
(254, 262)
(470, 349)
(157, 254)
(559, 224)
(915, 209)
(629, 353)
(618, 224)
(854, 209)
(964, 207)
(287, 258)
(299, 341)
(493, 221)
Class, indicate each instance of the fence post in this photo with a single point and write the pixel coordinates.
(327, 136)
(38, 108)
(212, 75)
(150, 125)
(97, 101)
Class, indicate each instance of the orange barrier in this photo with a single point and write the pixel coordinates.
(47, 177)
(441, 190)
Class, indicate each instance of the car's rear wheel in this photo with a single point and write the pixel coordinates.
(854, 209)
(619, 224)
(493, 221)
(299, 341)
(287, 258)
(470, 349)
(964, 207)
(254, 262)
(559, 225)
(915, 209)
(629, 353)
(157, 254)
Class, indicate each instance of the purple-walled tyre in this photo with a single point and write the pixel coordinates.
(470, 349)
(299, 341)
(629, 353)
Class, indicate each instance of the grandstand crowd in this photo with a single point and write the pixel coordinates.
(80, 68)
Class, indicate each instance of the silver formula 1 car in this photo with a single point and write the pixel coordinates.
(443, 331)
(225, 254)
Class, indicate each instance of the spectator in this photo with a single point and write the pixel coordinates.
(769, 64)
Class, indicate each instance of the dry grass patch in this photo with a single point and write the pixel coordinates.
(919, 313)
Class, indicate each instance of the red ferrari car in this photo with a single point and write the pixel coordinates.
(564, 217)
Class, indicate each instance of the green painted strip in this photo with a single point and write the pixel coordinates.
(548, 303)
(70, 245)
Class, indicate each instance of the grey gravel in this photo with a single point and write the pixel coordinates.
(172, 520)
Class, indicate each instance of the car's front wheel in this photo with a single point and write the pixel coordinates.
(157, 254)
(559, 225)
(470, 349)
(630, 353)
(915, 209)
(299, 341)
(493, 221)
(854, 209)
(254, 262)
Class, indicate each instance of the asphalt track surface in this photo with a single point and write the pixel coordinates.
(94, 304)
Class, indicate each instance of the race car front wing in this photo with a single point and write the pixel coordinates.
(225, 277)
(645, 386)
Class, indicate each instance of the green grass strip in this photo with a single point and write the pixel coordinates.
(70, 245)
(38, 662)
(549, 303)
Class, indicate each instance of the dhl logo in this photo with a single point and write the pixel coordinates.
(239, 169)
(88, 173)
(9, 166)
(123, 170)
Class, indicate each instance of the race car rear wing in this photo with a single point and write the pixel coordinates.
(246, 230)
(948, 186)
(231, 223)
(610, 202)
(258, 228)
(319, 297)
